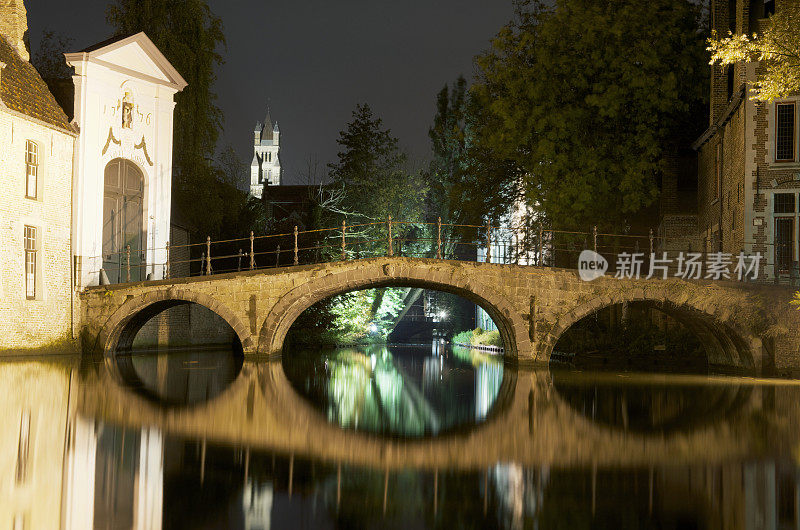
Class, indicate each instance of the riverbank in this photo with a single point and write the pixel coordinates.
(478, 338)
(482, 347)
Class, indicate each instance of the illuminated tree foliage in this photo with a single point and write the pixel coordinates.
(585, 97)
(369, 182)
(364, 315)
(796, 300)
(778, 48)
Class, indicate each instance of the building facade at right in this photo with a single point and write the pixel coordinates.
(749, 157)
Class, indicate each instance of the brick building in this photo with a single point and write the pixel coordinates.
(748, 158)
(677, 208)
(36, 159)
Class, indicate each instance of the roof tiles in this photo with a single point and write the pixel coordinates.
(23, 90)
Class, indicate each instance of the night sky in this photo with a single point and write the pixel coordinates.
(313, 60)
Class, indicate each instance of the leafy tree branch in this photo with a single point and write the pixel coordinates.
(777, 48)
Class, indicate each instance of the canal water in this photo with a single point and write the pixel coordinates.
(413, 436)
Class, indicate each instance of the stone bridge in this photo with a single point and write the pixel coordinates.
(742, 325)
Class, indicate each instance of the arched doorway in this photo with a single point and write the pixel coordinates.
(123, 221)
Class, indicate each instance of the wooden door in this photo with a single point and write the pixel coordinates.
(123, 222)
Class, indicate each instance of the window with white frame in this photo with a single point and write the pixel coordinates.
(784, 209)
(786, 132)
(31, 255)
(31, 168)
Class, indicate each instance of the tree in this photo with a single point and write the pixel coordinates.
(796, 300)
(448, 136)
(49, 57)
(370, 182)
(470, 183)
(313, 173)
(233, 170)
(371, 172)
(585, 97)
(188, 34)
(778, 48)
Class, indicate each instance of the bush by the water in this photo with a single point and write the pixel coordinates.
(479, 337)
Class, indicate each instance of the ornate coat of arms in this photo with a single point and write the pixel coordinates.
(126, 125)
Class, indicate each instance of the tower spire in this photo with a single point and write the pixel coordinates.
(268, 121)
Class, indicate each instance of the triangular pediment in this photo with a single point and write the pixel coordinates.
(133, 57)
(136, 56)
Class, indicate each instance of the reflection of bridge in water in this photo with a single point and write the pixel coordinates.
(534, 421)
(552, 438)
(741, 325)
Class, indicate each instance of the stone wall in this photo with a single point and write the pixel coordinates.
(47, 319)
(179, 254)
(677, 233)
(721, 211)
(184, 325)
(765, 177)
(677, 229)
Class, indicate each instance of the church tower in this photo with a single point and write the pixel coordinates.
(265, 169)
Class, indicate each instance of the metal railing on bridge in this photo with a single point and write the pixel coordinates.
(522, 244)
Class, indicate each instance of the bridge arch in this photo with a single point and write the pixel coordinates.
(511, 325)
(727, 343)
(121, 328)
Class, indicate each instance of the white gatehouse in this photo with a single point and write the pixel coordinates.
(124, 102)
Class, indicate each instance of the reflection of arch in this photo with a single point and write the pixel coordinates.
(310, 375)
(293, 407)
(121, 328)
(512, 327)
(725, 346)
(123, 220)
(181, 378)
(644, 404)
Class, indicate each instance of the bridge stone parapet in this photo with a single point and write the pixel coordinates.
(744, 325)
